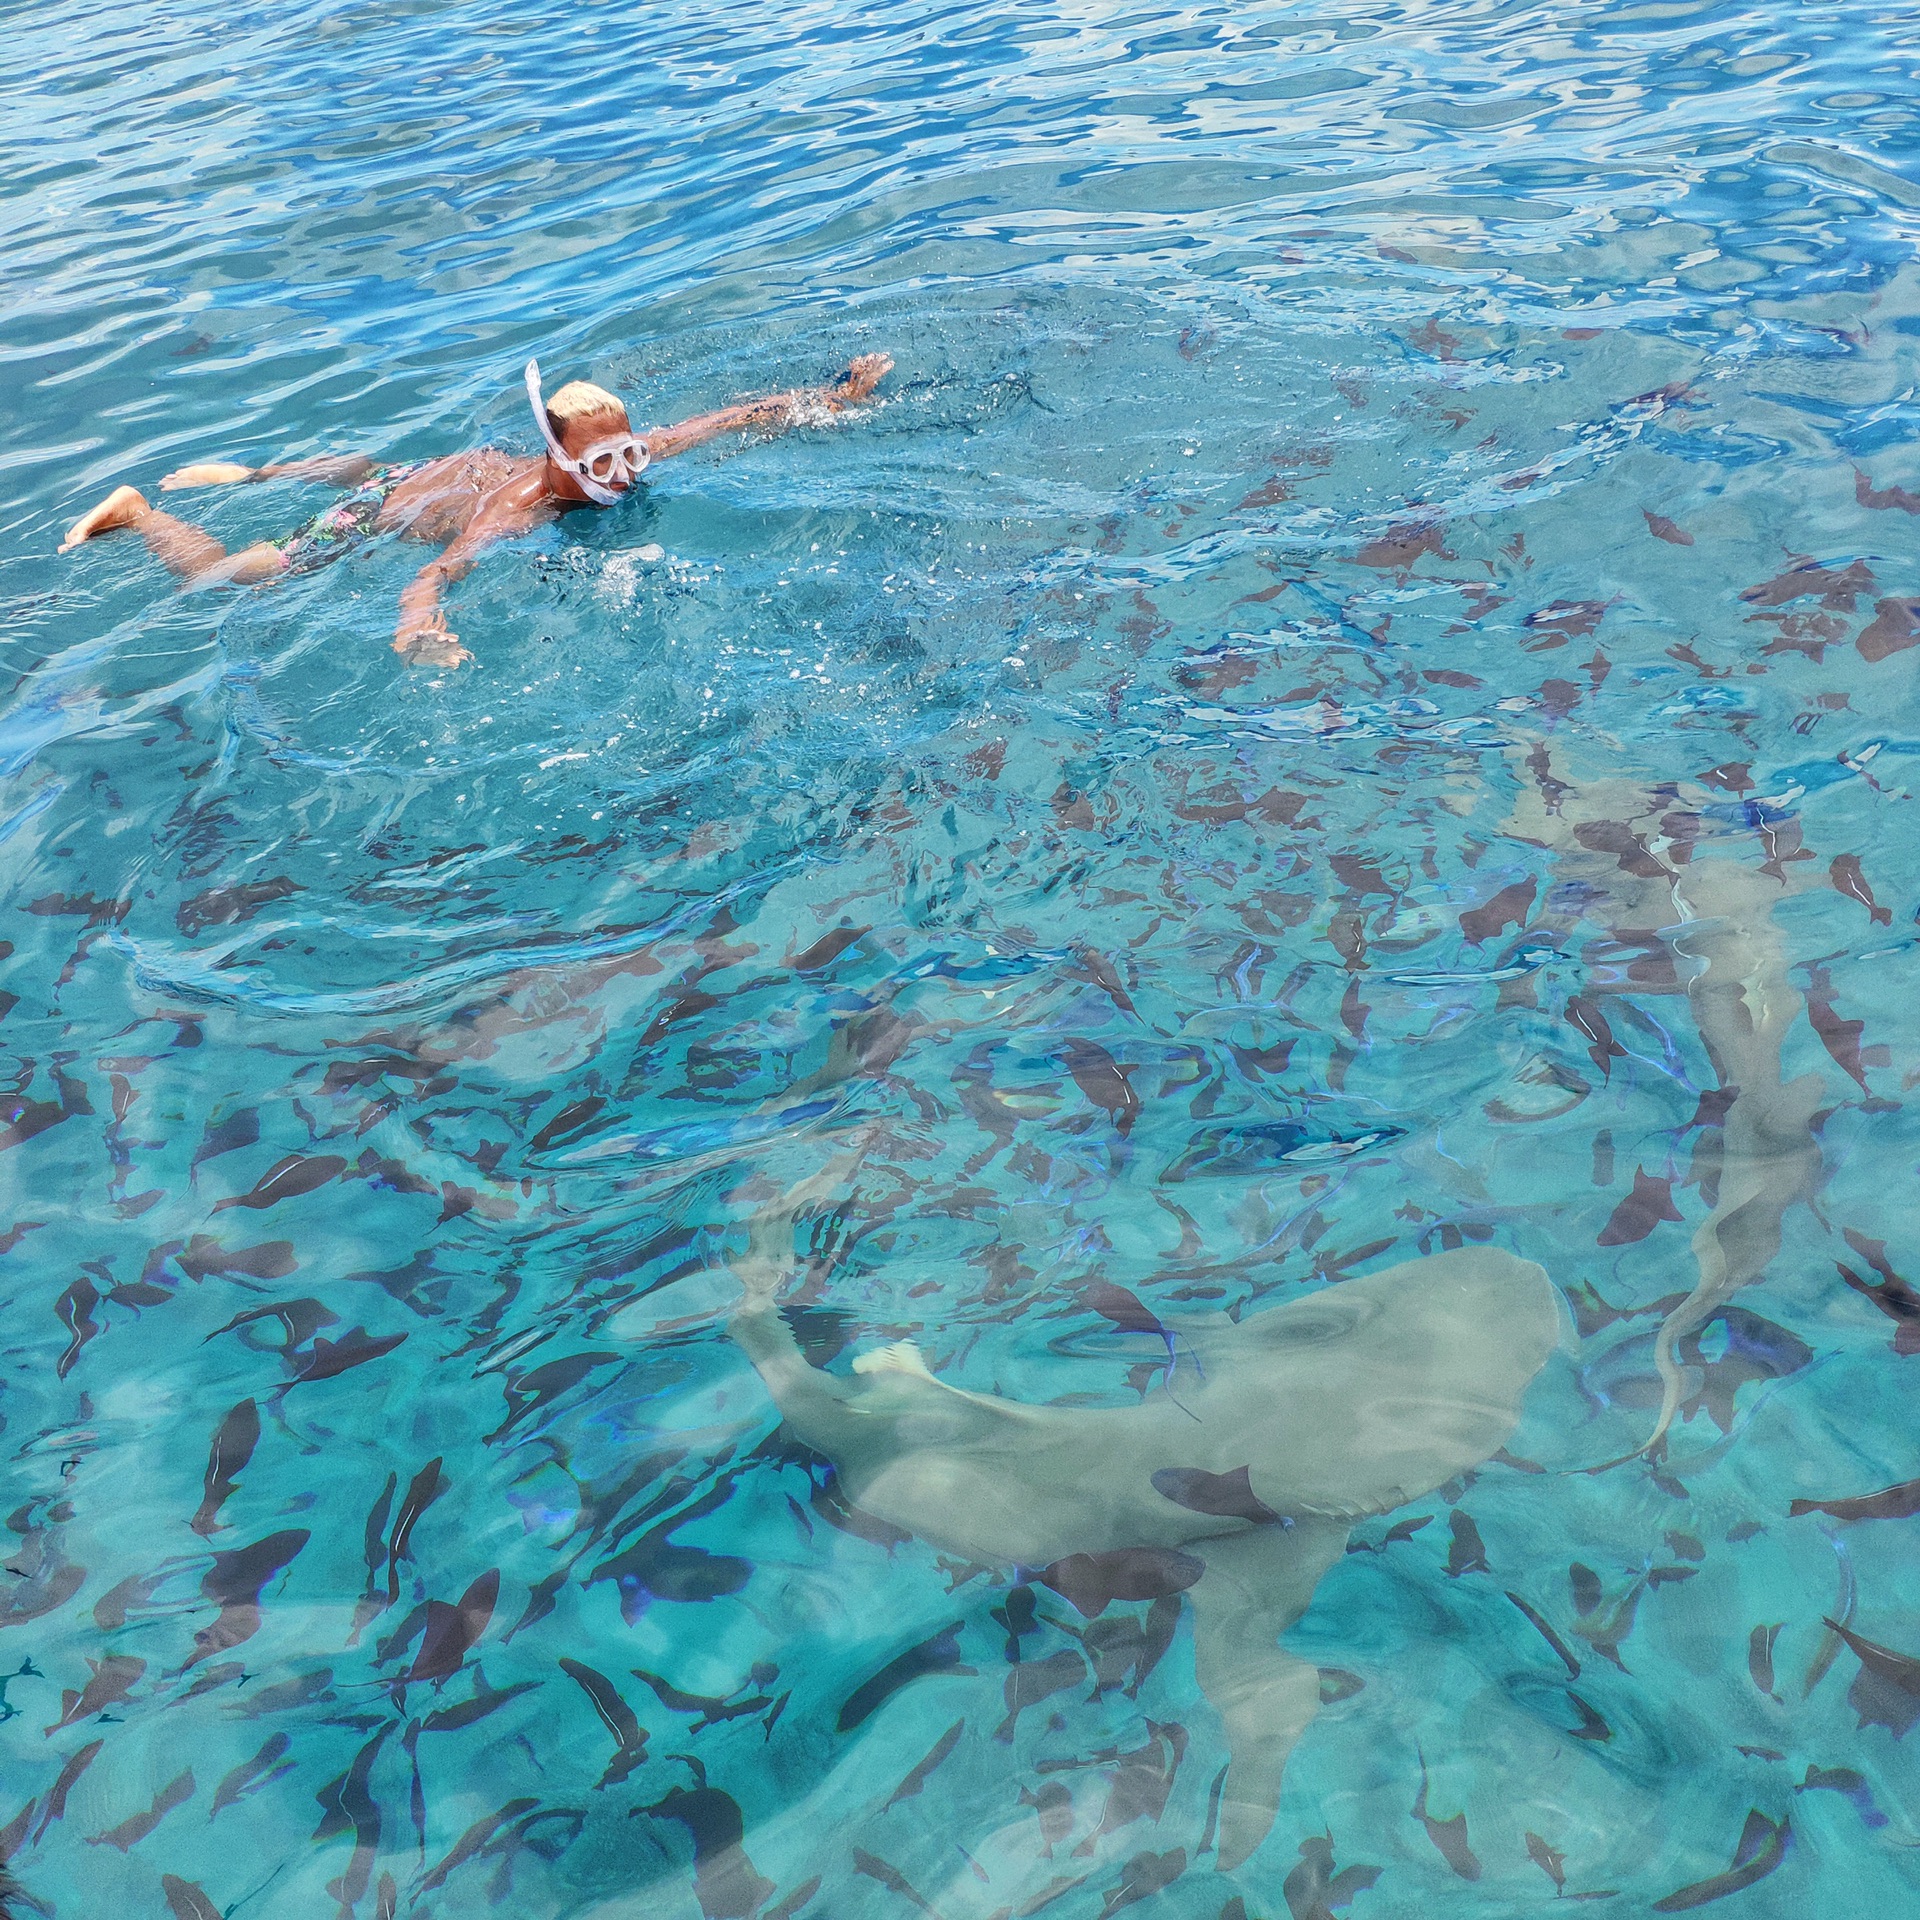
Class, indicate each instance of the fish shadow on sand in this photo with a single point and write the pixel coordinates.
(1292, 1425)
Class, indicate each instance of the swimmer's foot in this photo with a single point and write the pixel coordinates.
(123, 507)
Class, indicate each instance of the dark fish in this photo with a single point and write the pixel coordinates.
(270, 1260)
(1053, 1808)
(1093, 1581)
(240, 1129)
(1837, 588)
(1841, 1038)
(1466, 1552)
(1895, 626)
(630, 1737)
(187, 1899)
(234, 1583)
(1846, 877)
(1449, 1836)
(1891, 1294)
(1890, 1503)
(940, 1654)
(725, 1881)
(893, 1879)
(1650, 1202)
(538, 1385)
(827, 949)
(1100, 970)
(449, 1632)
(1313, 1890)
(1763, 1845)
(485, 1701)
(113, 1679)
(1592, 1726)
(1760, 1657)
(327, 1359)
(1036, 1680)
(923, 1770)
(1400, 546)
(473, 1840)
(568, 1123)
(1017, 1615)
(348, 1806)
(286, 1180)
(713, 1709)
(798, 1898)
(1509, 907)
(656, 1567)
(1140, 1783)
(129, 1833)
(1603, 1157)
(1551, 1863)
(1663, 529)
(251, 1775)
(1547, 1634)
(1104, 1081)
(1394, 1535)
(1631, 853)
(233, 1444)
(230, 906)
(1886, 1691)
(1144, 1874)
(74, 1309)
(1843, 1780)
(1602, 1048)
(54, 1807)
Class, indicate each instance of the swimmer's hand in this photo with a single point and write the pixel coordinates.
(206, 473)
(859, 380)
(425, 640)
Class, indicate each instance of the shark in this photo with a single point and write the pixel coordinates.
(1238, 1489)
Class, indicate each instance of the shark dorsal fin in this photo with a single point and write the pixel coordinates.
(902, 1357)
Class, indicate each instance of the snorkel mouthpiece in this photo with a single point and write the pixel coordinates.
(617, 456)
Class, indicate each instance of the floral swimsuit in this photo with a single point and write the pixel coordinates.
(344, 524)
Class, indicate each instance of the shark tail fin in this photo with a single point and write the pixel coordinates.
(902, 1357)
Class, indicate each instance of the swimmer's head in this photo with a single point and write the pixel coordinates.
(592, 451)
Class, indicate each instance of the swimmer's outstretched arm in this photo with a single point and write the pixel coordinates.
(330, 469)
(423, 637)
(777, 411)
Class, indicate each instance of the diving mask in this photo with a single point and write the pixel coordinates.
(614, 457)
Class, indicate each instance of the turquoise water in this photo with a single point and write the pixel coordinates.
(1388, 554)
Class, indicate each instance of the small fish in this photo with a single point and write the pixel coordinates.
(1603, 1048)
(1466, 1552)
(1144, 1874)
(1895, 626)
(1511, 906)
(1313, 1890)
(1230, 1495)
(113, 1679)
(1091, 1582)
(1036, 1680)
(1763, 1845)
(1841, 1038)
(54, 1807)
(1760, 1657)
(1550, 1862)
(1846, 877)
(1843, 1780)
(1891, 1294)
(893, 1879)
(448, 1631)
(1017, 1615)
(270, 1260)
(251, 1775)
(791, 1905)
(74, 1310)
(130, 1832)
(1650, 1202)
(240, 1129)
(1880, 500)
(713, 1709)
(725, 1881)
(1053, 1808)
(1886, 1691)
(1141, 1781)
(1890, 1503)
(923, 1770)
(187, 1899)
(1592, 1726)
(938, 1655)
(1104, 1082)
(1547, 1633)
(235, 1582)
(233, 1444)
(1631, 853)
(286, 1180)
(1449, 1836)
(630, 1737)
(473, 1840)
(1663, 529)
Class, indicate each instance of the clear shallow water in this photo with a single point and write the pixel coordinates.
(1322, 444)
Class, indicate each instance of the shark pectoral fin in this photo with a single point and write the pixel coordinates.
(1257, 1584)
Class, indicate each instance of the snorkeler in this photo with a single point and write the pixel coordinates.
(463, 501)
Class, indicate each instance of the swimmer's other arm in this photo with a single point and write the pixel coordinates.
(330, 469)
(423, 636)
(778, 411)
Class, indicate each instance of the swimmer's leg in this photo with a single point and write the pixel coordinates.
(195, 557)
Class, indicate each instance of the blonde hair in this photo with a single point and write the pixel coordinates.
(582, 400)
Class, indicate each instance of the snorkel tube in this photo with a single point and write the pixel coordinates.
(623, 456)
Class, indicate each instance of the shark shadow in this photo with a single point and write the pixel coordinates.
(1295, 1423)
